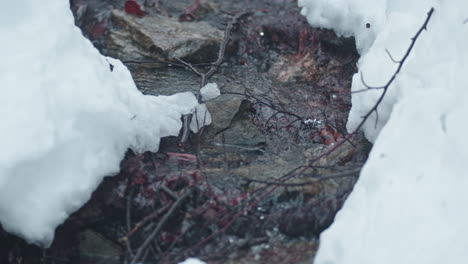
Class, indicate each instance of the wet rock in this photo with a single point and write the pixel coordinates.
(159, 37)
(231, 124)
(241, 133)
(223, 109)
(94, 248)
(154, 81)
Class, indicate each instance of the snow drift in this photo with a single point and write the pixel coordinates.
(68, 115)
(407, 207)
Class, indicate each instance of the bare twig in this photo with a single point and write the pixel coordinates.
(169, 192)
(267, 104)
(153, 61)
(400, 65)
(213, 68)
(128, 217)
(368, 87)
(345, 174)
(391, 57)
(301, 169)
(222, 50)
(379, 101)
(143, 248)
(190, 66)
(144, 221)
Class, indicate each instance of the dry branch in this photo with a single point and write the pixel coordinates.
(143, 248)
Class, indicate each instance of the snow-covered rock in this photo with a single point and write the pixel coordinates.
(407, 207)
(68, 115)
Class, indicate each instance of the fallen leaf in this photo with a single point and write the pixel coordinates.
(133, 8)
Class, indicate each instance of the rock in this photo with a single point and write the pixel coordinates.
(230, 125)
(241, 133)
(159, 37)
(223, 109)
(97, 249)
(163, 82)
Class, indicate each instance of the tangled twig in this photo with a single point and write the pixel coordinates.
(143, 248)
(186, 119)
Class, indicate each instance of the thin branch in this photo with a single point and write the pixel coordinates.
(269, 105)
(379, 101)
(400, 65)
(368, 87)
(214, 67)
(345, 174)
(143, 248)
(169, 63)
(144, 221)
(169, 192)
(222, 49)
(391, 57)
(128, 217)
(190, 66)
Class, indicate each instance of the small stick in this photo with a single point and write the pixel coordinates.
(143, 248)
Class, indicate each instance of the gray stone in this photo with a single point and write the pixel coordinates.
(223, 109)
(230, 125)
(160, 37)
(242, 132)
(97, 249)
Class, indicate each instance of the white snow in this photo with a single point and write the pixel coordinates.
(408, 205)
(209, 91)
(201, 117)
(192, 261)
(66, 118)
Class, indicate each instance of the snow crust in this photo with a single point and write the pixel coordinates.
(66, 117)
(408, 205)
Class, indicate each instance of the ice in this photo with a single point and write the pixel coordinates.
(66, 117)
(407, 206)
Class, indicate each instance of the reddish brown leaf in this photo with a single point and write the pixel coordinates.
(133, 8)
(329, 135)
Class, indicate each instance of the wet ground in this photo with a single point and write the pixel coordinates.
(246, 189)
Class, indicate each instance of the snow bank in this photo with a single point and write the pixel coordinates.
(407, 207)
(67, 117)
